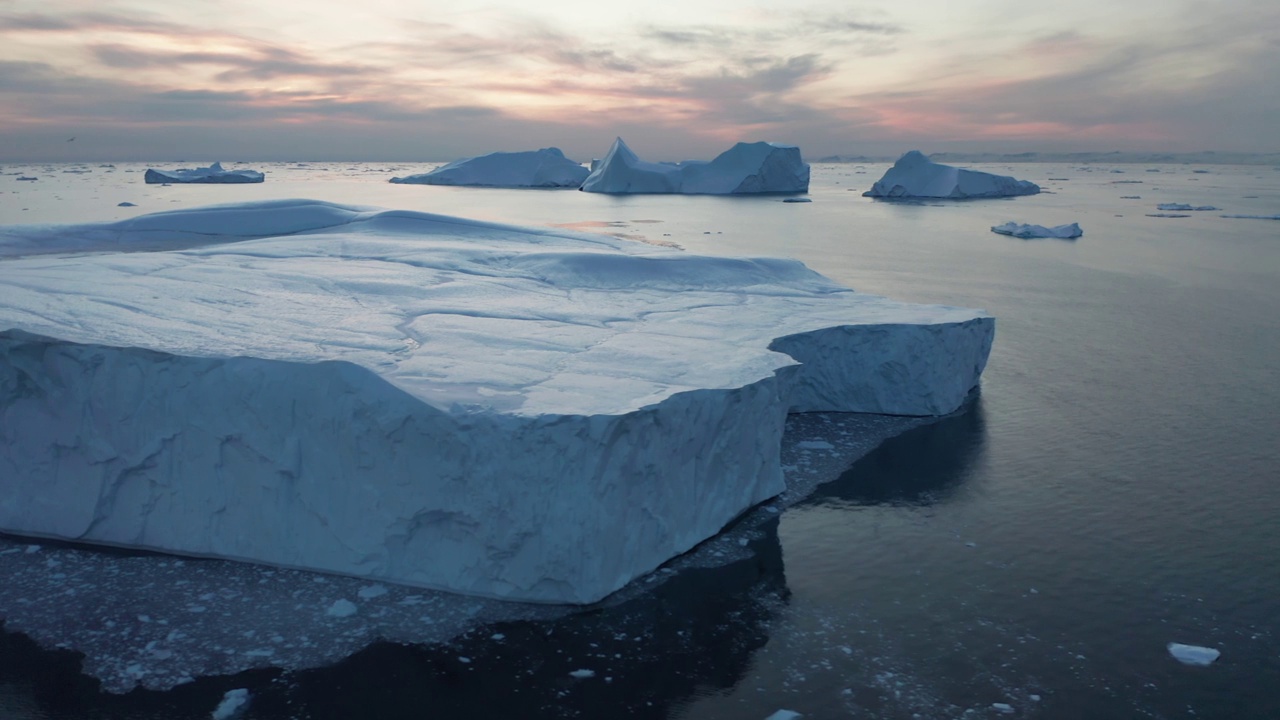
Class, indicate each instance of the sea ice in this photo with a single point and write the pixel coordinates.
(1253, 217)
(212, 174)
(518, 413)
(1193, 654)
(745, 168)
(1183, 207)
(233, 703)
(915, 176)
(545, 168)
(1063, 232)
(785, 715)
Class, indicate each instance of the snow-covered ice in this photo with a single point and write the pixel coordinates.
(1026, 231)
(427, 400)
(545, 168)
(233, 703)
(745, 168)
(1184, 207)
(915, 176)
(213, 174)
(1193, 654)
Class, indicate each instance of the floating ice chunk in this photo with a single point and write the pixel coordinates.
(233, 704)
(341, 608)
(545, 168)
(582, 674)
(1004, 708)
(815, 445)
(1183, 207)
(24, 178)
(798, 200)
(1253, 217)
(126, 204)
(1193, 654)
(212, 174)
(785, 715)
(430, 401)
(370, 592)
(1062, 232)
(1168, 215)
(745, 168)
(915, 176)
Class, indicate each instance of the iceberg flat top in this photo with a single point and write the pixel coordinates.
(745, 168)
(915, 176)
(1069, 231)
(463, 315)
(212, 174)
(545, 168)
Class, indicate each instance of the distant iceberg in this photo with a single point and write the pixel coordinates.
(1061, 232)
(1183, 207)
(545, 168)
(212, 174)
(915, 176)
(745, 168)
(1253, 217)
(523, 413)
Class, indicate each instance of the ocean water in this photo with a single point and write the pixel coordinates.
(1113, 487)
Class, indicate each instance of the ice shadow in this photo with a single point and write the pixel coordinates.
(923, 466)
(693, 633)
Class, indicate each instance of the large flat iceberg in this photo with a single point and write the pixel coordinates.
(545, 168)
(916, 176)
(1027, 231)
(745, 168)
(214, 174)
(510, 412)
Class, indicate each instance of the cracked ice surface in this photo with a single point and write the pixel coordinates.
(157, 621)
(507, 412)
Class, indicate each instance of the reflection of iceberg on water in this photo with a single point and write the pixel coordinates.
(916, 176)
(518, 413)
(545, 168)
(746, 168)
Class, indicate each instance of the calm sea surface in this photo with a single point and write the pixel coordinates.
(1114, 486)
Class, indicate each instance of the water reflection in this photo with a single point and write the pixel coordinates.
(692, 634)
(923, 466)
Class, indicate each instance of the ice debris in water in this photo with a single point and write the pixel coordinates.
(341, 609)
(233, 703)
(1193, 654)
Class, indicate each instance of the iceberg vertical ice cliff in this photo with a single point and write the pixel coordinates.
(545, 168)
(509, 412)
(916, 176)
(742, 169)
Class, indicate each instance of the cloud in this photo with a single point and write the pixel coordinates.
(260, 62)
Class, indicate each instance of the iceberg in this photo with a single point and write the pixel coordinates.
(745, 168)
(545, 168)
(1183, 207)
(212, 174)
(1025, 231)
(915, 176)
(519, 413)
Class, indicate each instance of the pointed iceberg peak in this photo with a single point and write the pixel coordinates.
(745, 168)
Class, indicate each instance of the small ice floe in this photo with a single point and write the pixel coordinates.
(785, 715)
(1253, 217)
(1130, 197)
(1183, 207)
(27, 179)
(233, 703)
(797, 200)
(582, 674)
(1168, 215)
(1026, 231)
(1193, 654)
(370, 592)
(1005, 708)
(126, 204)
(341, 608)
(815, 445)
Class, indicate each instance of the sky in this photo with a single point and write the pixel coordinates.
(416, 80)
